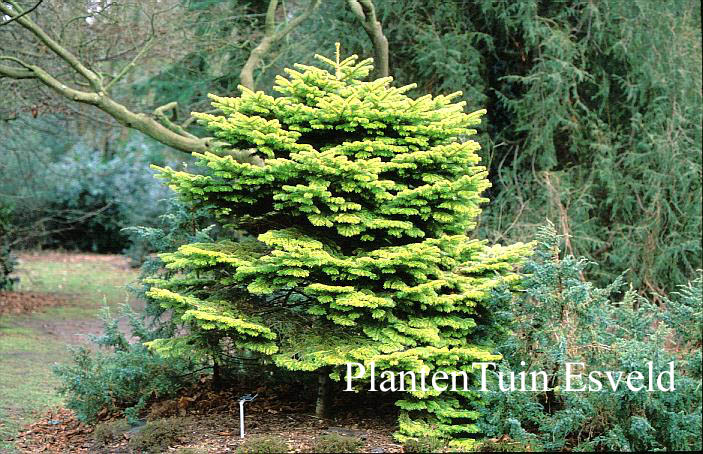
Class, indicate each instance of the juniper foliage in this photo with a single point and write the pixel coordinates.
(123, 375)
(349, 243)
(561, 318)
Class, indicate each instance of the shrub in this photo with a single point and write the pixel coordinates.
(177, 226)
(337, 443)
(424, 444)
(561, 318)
(116, 193)
(7, 259)
(110, 431)
(122, 379)
(157, 436)
(82, 200)
(262, 444)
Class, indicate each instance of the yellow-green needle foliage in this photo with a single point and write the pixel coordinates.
(357, 228)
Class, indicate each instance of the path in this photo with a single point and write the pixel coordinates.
(76, 286)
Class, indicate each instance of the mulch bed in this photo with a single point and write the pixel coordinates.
(57, 431)
(211, 423)
(19, 302)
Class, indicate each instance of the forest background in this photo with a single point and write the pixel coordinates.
(594, 112)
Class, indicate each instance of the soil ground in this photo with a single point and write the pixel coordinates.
(211, 425)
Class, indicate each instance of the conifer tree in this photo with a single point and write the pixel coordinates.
(349, 243)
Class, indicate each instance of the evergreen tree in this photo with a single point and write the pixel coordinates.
(348, 243)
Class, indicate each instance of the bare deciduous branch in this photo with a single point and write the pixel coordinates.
(366, 12)
(55, 47)
(12, 19)
(96, 91)
(160, 114)
(124, 116)
(129, 65)
(15, 73)
(175, 136)
(246, 75)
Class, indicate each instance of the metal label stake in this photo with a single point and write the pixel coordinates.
(244, 398)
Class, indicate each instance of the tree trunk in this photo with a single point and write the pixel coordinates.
(217, 381)
(324, 387)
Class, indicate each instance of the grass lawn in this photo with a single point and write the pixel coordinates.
(30, 343)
